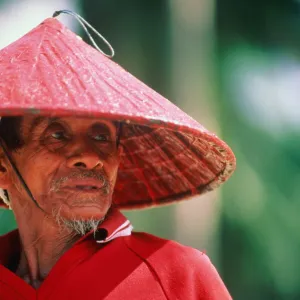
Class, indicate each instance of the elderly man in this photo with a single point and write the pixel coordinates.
(80, 139)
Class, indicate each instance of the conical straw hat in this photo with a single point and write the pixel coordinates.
(167, 157)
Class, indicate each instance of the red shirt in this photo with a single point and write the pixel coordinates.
(114, 264)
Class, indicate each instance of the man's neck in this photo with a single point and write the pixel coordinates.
(43, 243)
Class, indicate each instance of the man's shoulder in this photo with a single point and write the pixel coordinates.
(183, 272)
(148, 246)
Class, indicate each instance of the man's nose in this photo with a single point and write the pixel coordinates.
(84, 158)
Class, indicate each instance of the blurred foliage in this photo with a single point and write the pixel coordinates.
(7, 221)
(269, 23)
(260, 226)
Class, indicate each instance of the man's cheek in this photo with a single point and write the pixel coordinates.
(39, 175)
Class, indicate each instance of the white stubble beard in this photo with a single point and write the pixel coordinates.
(77, 226)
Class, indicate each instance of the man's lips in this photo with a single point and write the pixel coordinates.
(88, 184)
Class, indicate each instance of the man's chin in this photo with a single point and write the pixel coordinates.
(79, 226)
(83, 211)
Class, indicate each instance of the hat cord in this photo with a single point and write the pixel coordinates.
(84, 23)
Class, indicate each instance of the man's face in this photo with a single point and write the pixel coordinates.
(69, 164)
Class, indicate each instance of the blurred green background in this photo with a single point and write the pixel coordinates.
(235, 67)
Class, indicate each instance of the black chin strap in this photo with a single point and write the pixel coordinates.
(2, 144)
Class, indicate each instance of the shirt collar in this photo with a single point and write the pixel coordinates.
(115, 225)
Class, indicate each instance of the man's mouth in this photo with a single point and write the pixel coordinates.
(86, 187)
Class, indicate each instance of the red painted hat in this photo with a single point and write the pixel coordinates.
(167, 157)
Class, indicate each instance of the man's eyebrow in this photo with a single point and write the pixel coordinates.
(112, 131)
(37, 121)
(99, 124)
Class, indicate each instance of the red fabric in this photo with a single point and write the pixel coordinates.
(167, 155)
(135, 267)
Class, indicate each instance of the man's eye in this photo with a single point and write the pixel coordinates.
(101, 137)
(59, 135)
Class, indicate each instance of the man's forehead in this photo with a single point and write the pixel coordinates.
(30, 123)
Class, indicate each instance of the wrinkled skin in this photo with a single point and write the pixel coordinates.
(70, 166)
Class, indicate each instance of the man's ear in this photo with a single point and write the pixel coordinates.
(5, 181)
